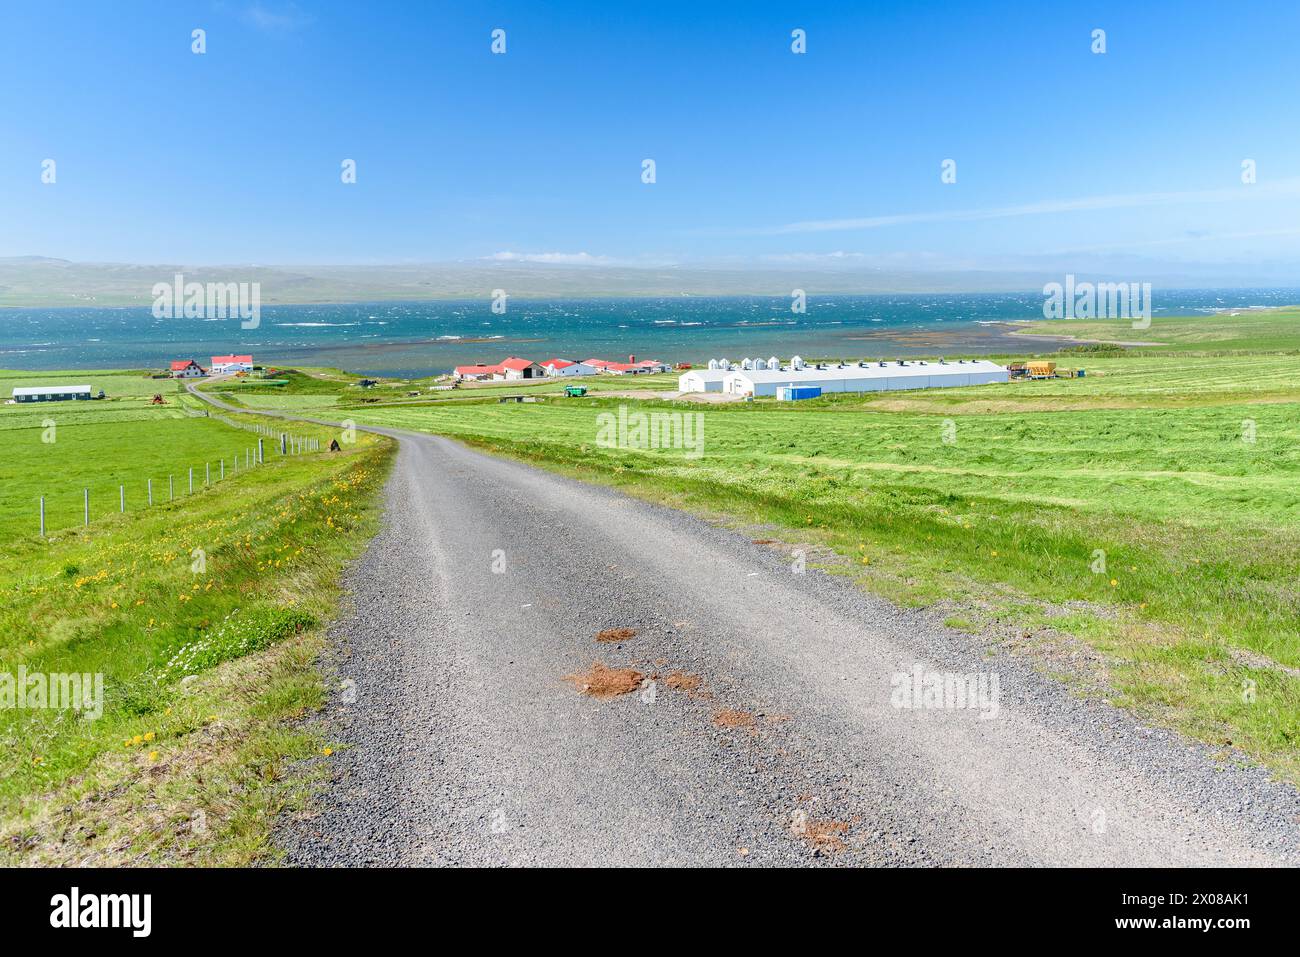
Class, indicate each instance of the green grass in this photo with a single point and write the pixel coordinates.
(117, 384)
(312, 391)
(1250, 330)
(57, 449)
(296, 381)
(1143, 460)
(204, 616)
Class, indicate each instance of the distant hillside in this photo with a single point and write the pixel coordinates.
(41, 282)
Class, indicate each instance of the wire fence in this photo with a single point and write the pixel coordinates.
(269, 441)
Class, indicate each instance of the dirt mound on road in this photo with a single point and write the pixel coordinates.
(602, 682)
(824, 836)
(616, 634)
(681, 681)
(731, 718)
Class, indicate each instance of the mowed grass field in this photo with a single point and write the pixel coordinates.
(204, 616)
(59, 449)
(1151, 509)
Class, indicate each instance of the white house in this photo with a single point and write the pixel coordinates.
(868, 376)
(186, 369)
(701, 380)
(224, 364)
(567, 367)
(51, 393)
(515, 368)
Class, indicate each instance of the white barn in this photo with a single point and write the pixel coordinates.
(701, 380)
(868, 376)
(568, 367)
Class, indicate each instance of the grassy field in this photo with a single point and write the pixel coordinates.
(1151, 509)
(59, 449)
(204, 618)
(1242, 330)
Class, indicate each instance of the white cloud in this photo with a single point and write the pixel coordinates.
(288, 18)
(562, 259)
(1289, 187)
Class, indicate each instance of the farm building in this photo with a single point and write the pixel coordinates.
(515, 368)
(475, 372)
(631, 367)
(701, 380)
(224, 364)
(508, 369)
(867, 377)
(186, 369)
(52, 393)
(567, 367)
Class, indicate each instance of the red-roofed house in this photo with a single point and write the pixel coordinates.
(222, 364)
(476, 372)
(567, 367)
(186, 369)
(628, 368)
(515, 368)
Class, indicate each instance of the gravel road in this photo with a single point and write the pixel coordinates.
(462, 743)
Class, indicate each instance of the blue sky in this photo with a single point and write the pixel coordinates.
(763, 156)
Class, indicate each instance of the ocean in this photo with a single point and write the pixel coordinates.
(423, 338)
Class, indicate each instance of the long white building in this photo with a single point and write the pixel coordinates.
(866, 376)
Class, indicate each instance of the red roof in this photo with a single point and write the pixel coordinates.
(557, 363)
(218, 359)
(516, 363)
(179, 364)
(477, 370)
(598, 363)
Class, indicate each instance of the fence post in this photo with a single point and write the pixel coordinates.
(207, 473)
(223, 470)
(42, 516)
(261, 452)
(85, 494)
(283, 438)
(191, 480)
(149, 485)
(121, 498)
(171, 490)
